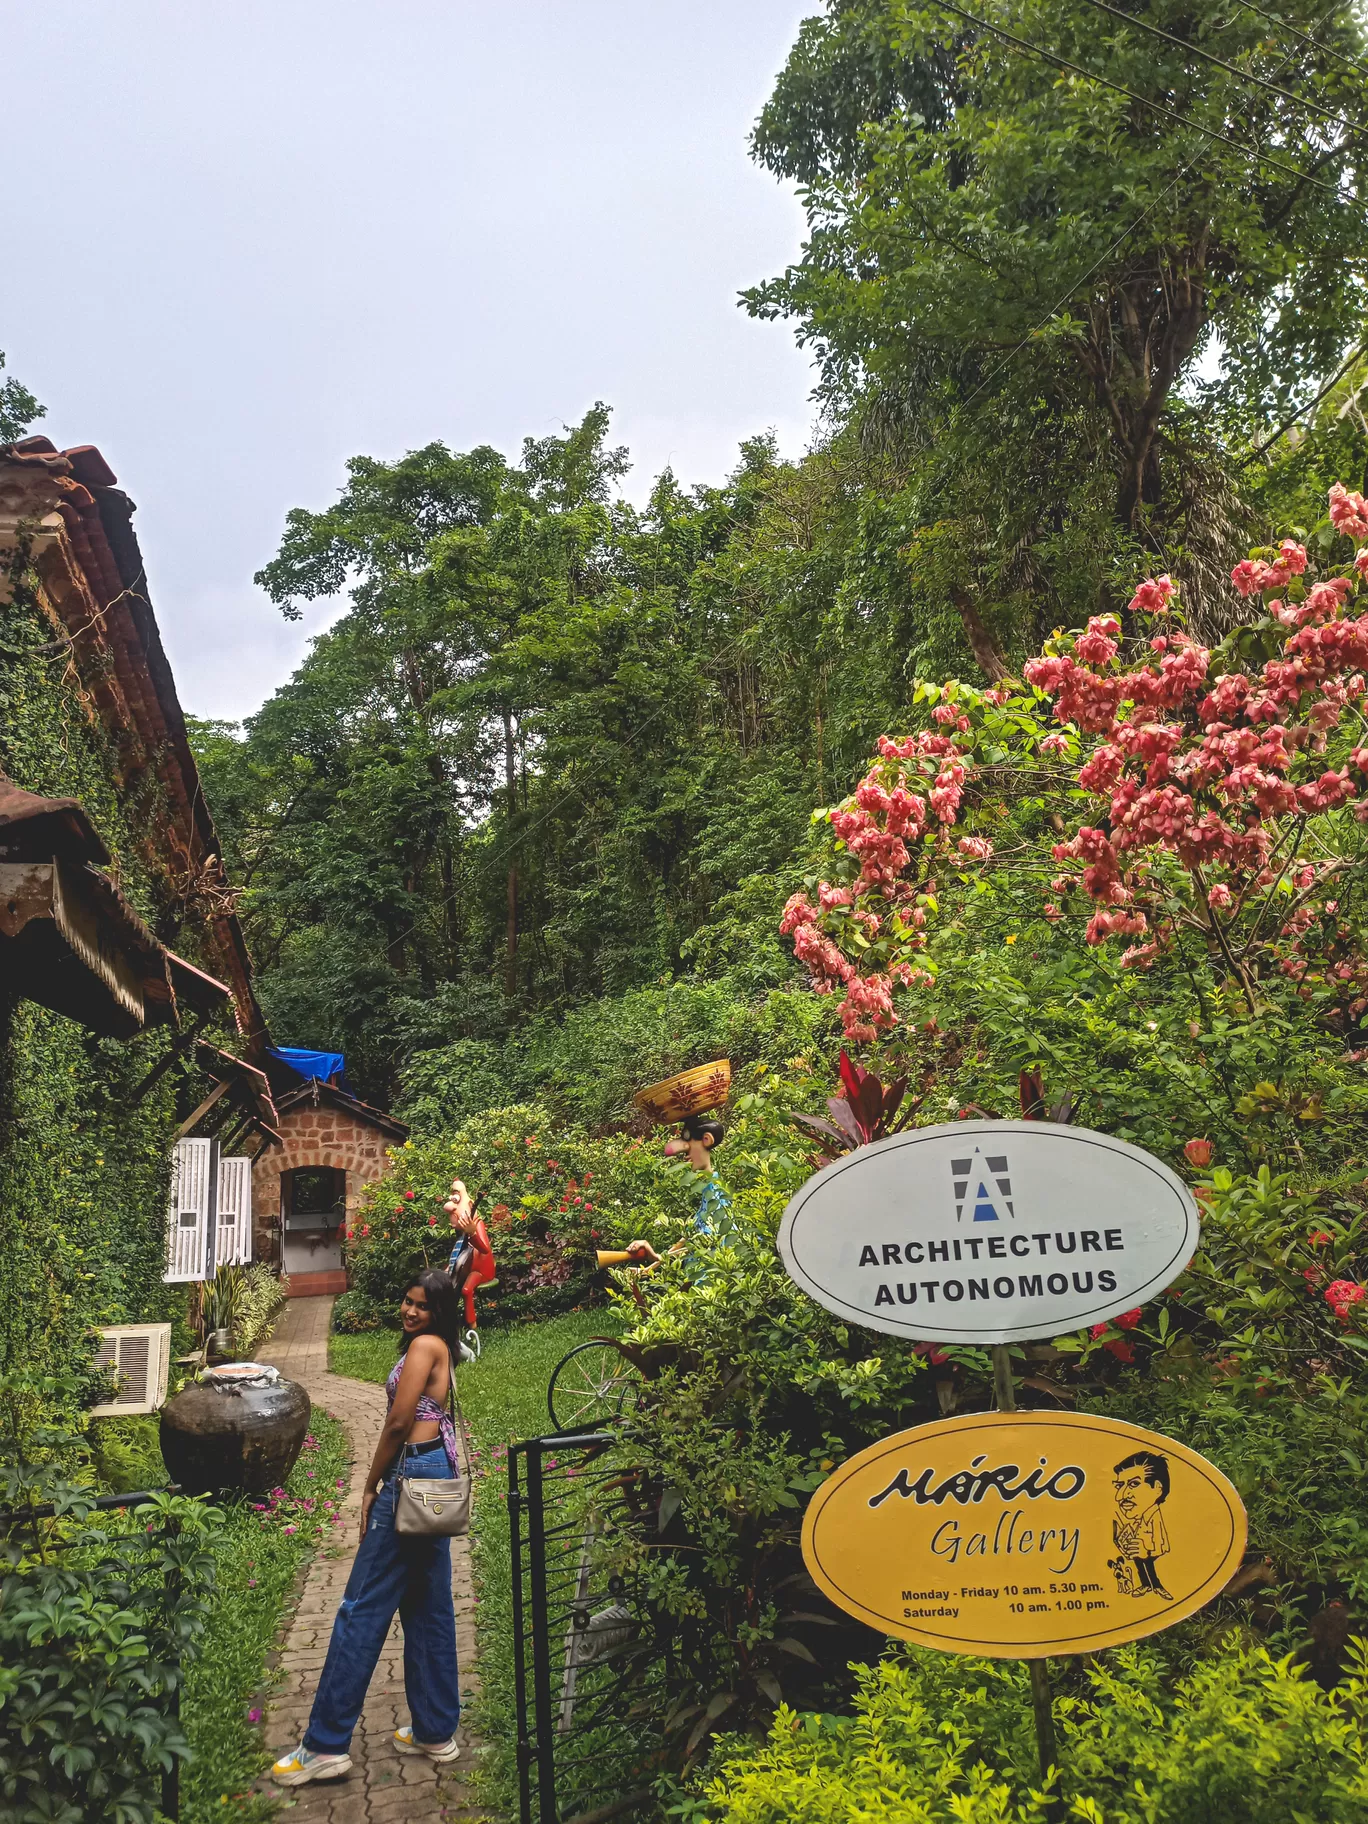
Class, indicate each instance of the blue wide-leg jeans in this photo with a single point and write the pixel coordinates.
(393, 1572)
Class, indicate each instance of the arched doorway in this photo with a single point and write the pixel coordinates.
(313, 1212)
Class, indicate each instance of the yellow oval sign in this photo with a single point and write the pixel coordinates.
(1024, 1534)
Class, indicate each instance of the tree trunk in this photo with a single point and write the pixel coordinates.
(986, 649)
(511, 929)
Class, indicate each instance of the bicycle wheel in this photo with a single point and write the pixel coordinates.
(594, 1385)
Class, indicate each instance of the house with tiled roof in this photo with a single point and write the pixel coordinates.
(128, 1016)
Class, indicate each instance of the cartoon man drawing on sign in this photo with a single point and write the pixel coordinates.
(1141, 1482)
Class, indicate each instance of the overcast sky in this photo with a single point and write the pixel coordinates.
(244, 242)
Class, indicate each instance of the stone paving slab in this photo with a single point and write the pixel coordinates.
(383, 1786)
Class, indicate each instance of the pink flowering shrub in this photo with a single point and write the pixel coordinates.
(1211, 776)
(866, 931)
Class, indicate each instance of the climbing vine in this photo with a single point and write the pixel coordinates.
(84, 1157)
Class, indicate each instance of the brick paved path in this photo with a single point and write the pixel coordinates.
(382, 1786)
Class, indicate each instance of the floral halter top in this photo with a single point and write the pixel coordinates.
(429, 1409)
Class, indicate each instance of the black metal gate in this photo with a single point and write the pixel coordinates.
(590, 1660)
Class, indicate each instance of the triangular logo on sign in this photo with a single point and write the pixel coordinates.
(990, 1184)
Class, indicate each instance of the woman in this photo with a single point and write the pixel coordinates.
(390, 1571)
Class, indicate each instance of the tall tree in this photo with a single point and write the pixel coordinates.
(992, 225)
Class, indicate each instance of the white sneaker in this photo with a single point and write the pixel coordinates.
(301, 1765)
(435, 1751)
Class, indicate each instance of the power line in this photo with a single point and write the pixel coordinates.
(1125, 235)
(1186, 44)
(1314, 43)
(1354, 354)
(1083, 278)
(1183, 120)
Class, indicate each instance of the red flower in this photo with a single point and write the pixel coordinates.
(432, 1222)
(1198, 1153)
(1128, 1319)
(408, 1196)
(1319, 1238)
(588, 1207)
(1343, 1295)
(588, 1176)
(579, 1200)
(1121, 1350)
(365, 1228)
(398, 1209)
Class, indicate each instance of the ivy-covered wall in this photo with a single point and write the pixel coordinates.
(84, 1163)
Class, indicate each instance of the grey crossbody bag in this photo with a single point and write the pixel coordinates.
(435, 1507)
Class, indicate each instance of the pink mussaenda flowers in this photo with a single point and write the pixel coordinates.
(1198, 766)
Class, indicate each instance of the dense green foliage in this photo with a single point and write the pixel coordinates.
(551, 1194)
(964, 200)
(560, 746)
(84, 1153)
(101, 1614)
(130, 1638)
(936, 1738)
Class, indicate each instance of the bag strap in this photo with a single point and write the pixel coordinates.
(454, 1408)
(457, 1419)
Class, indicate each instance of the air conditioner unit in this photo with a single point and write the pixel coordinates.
(140, 1355)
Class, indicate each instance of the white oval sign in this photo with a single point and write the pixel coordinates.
(988, 1231)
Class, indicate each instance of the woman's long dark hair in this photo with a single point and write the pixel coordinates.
(446, 1311)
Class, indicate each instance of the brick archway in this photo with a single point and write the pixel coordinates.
(331, 1130)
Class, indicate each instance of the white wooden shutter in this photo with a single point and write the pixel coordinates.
(140, 1355)
(188, 1249)
(234, 1246)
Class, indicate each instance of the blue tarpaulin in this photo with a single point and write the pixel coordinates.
(320, 1064)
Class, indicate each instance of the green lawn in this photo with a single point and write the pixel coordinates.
(503, 1396)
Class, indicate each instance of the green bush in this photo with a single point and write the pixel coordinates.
(126, 1453)
(259, 1299)
(586, 1065)
(550, 1194)
(1244, 1739)
(101, 1615)
(356, 1312)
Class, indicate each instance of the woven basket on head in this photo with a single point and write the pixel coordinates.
(689, 1093)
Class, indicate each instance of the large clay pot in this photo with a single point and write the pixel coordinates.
(233, 1430)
